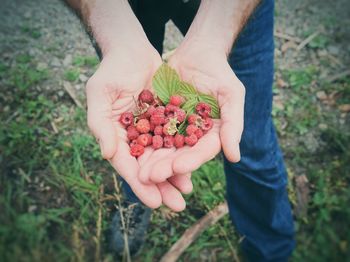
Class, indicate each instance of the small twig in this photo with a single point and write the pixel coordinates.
(302, 194)
(12, 116)
(233, 250)
(335, 60)
(54, 127)
(71, 92)
(287, 37)
(307, 40)
(99, 226)
(338, 76)
(193, 232)
(124, 226)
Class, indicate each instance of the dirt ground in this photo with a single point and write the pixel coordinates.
(311, 111)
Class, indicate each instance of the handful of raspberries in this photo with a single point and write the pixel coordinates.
(157, 125)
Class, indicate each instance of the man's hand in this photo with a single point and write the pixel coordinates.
(129, 62)
(210, 73)
(201, 60)
(120, 77)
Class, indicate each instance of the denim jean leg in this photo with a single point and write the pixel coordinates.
(256, 186)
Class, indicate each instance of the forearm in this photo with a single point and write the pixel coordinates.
(218, 22)
(112, 22)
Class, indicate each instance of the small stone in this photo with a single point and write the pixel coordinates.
(310, 142)
(41, 65)
(334, 50)
(60, 93)
(55, 62)
(83, 78)
(322, 52)
(27, 14)
(32, 52)
(321, 95)
(323, 126)
(345, 108)
(67, 60)
(281, 83)
(32, 208)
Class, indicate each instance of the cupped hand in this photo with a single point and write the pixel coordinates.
(209, 71)
(121, 76)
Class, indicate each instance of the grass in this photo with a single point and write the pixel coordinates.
(54, 184)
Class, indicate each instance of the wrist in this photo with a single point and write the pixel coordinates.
(114, 25)
(218, 22)
(198, 45)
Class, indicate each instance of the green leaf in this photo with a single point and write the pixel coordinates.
(190, 105)
(182, 128)
(165, 82)
(215, 110)
(186, 89)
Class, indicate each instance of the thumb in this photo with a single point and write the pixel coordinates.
(106, 135)
(100, 120)
(232, 118)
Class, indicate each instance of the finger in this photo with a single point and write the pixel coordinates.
(128, 167)
(157, 155)
(182, 182)
(232, 117)
(100, 119)
(171, 197)
(206, 149)
(162, 169)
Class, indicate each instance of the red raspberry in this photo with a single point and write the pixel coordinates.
(168, 141)
(170, 110)
(207, 124)
(142, 140)
(199, 133)
(176, 100)
(149, 139)
(194, 119)
(190, 129)
(150, 111)
(146, 96)
(132, 143)
(159, 110)
(137, 150)
(127, 118)
(203, 109)
(157, 119)
(143, 126)
(157, 142)
(180, 115)
(132, 133)
(158, 130)
(179, 140)
(191, 140)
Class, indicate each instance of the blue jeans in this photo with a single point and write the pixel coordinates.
(256, 186)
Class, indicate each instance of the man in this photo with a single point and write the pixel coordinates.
(130, 37)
